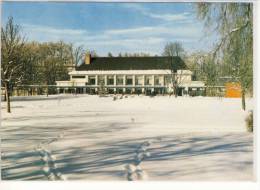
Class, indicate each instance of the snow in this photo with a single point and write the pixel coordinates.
(86, 137)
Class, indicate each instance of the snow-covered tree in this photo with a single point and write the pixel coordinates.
(12, 58)
(234, 24)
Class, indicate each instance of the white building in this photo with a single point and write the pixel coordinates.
(149, 75)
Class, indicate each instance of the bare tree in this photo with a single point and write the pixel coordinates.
(177, 80)
(31, 66)
(12, 58)
(77, 54)
(55, 59)
(93, 53)
(234, 24)
(110, 54)
(140, 54)
(172, 50)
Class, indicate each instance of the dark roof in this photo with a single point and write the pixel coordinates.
(133, 63)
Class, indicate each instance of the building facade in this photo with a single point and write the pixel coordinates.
(131, 75)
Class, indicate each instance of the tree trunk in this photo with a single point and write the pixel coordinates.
(7, 95)
(47, 89)
(4, 96)
(176, 92)
(243, 100)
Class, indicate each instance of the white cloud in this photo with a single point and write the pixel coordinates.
(134, 6)
(184, 16)
(130, 30)
(133, 43)
(45, 33)
(149, 39)
(51, 30)
(171, 17)
(187, 31)
(177, 27)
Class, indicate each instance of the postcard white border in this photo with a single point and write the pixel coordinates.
(186, 185)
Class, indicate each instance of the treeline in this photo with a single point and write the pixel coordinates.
(234, 24)
(27, 63)
(45, 63)
(206, 69)
(214, 72)
(33, 63)
(121, 54)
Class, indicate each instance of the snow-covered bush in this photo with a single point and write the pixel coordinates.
(249, 122)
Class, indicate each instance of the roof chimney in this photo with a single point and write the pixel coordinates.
(87, 58)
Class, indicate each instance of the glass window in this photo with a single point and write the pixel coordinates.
(101, 80)
(157, 81)
(92, 80)
(168, 80)
(138, 80)
(120, 80)
(148, 80)
(110, 81)
(129, 81)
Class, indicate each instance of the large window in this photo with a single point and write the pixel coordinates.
(129, 80)
(110, 81)
(119, 80)
(148, 80)
(157, 80)
(101, 80)
(92, 80)
(168, 80)
(138, 80)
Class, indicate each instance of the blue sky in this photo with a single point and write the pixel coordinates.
(111, 27)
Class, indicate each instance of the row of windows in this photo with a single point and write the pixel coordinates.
(120, 81)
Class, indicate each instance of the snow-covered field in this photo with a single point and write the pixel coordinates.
(91, 138)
